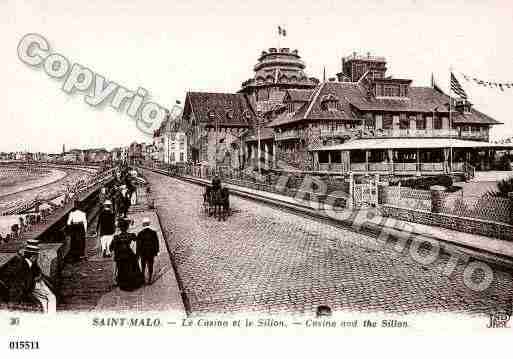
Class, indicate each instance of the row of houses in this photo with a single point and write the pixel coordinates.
(96, 155)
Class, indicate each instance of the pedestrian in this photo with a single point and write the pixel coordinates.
(77, 229)
(128, 275)
(323, 311)
(106, 228)
(22, 281)
(147, 248)
(103, 195)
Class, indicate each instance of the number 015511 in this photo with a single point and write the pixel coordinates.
(23, 345)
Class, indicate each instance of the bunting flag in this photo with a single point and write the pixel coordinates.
(503, 86)
(456, 87)
(282, 31)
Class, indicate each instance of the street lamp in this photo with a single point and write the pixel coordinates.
(259, 119)
(213, 116)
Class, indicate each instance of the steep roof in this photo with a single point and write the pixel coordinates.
(231, 110)
(298, 95)
(352, 96)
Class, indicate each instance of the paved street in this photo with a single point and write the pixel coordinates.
(268, 260)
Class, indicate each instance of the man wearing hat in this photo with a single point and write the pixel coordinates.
(147, 248)
(106, 228)
(21, 279)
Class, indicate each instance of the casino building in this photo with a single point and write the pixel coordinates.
(221, 125)
(362, 121)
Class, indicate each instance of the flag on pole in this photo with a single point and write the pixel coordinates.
(456, 87)
(434, 85)
(282, 31)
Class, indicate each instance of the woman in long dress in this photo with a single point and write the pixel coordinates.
(77, 229)
(129, 275)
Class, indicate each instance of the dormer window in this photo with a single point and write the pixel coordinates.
(329, 103)
(463, 106)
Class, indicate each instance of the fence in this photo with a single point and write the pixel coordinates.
(270, 182)
(488, 208)
(405, 197)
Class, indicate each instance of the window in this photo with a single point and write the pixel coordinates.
(181, 156)
(263, 95)
(391, 91)
(437, 123)
(370, 123)
(387, 121)
(378, 90)
(404, 91)
(404, 123)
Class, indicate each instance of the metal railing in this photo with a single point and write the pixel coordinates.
(285, 135)
(409, 132)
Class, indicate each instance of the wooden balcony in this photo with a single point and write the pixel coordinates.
(479, 136)
(415, 133)
(286, 135)
(342, 132)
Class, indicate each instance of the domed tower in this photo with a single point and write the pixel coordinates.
(276, 71)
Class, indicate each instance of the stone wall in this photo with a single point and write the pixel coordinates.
(462, 224)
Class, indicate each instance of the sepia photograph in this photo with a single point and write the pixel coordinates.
(255, 168)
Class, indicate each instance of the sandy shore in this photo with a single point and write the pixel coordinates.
(47, 186)
(51, 176)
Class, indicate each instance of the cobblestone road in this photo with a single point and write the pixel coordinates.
(264, 259)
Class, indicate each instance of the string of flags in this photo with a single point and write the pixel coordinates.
(501, 85)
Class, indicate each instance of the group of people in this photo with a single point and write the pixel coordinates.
(21, 278)
(130, 264)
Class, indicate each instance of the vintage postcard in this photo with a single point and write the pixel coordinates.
(182, 168)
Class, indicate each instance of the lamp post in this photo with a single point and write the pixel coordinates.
(216, 123)
(259, 119)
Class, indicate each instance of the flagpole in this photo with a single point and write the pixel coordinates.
(450, 115)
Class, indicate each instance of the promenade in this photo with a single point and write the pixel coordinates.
(477, 246)
(88, 285)
(267, 259)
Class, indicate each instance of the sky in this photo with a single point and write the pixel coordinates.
(171, 47)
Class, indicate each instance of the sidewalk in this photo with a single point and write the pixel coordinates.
(477, 246)
(162, 295)
(88, 285)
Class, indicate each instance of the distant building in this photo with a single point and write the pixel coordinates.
(97, 155)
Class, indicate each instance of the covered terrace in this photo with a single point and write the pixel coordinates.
(406, 156)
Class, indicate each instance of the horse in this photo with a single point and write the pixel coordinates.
(225, 202)
(206, 200)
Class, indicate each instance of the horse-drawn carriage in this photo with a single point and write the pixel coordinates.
(216, 200)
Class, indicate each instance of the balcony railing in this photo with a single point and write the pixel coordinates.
(447, 132)
(342, 132)
(286, 135)
(418, 133)
(481, 136)
(397, 167)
